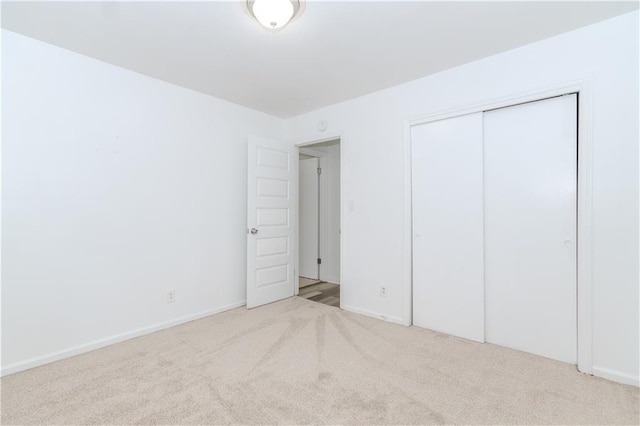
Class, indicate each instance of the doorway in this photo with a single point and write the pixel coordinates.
(319, 214)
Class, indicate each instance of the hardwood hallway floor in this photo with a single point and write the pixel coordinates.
(321, 292)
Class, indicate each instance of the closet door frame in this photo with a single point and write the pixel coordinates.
(583, 89)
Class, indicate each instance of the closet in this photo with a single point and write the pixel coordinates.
(494, 226)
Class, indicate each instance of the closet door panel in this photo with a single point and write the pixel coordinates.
(530, 166)
(447, 202)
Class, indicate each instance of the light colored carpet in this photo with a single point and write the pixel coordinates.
(301, 362)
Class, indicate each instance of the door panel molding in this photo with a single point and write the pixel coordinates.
(271, 185)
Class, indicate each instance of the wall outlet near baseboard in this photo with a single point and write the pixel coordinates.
(171, 296)
(383, 291)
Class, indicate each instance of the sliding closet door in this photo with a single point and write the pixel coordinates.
(447, 226)
(530, 169)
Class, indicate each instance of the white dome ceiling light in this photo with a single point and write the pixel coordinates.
(274, 14)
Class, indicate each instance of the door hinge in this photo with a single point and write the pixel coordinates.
(319, 261)
(319, 171)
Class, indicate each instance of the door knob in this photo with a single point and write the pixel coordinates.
(253, 231)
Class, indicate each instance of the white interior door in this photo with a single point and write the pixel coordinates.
(448, 294)
(270, 210)
(530, 164)
(308, 218)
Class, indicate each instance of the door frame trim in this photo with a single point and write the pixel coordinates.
(584, 88)
(303, 147)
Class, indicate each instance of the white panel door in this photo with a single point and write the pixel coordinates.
(448, 226)
(530, 227)
(270, 209)
(308, 218)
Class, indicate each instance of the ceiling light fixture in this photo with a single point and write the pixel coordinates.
(274, 14)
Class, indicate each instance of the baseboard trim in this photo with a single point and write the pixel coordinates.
(616, 376)
(101, 343)
(395, 320)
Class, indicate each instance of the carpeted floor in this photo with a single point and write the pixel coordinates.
(301, 362)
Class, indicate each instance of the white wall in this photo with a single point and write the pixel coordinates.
(116, 188)
(374, 235)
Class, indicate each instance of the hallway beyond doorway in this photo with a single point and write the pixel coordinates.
(321, 292)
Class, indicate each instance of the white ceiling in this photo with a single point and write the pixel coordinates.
(334, 52)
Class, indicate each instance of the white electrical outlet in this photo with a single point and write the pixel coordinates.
(171, 296)
(383, 291)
